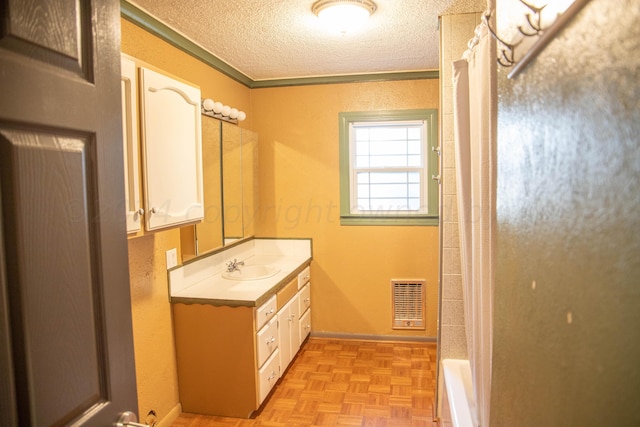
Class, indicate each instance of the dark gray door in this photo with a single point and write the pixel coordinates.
(66, 352)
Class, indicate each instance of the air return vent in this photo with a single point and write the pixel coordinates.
(408, 304)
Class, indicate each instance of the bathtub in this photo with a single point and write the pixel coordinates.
(458, 404)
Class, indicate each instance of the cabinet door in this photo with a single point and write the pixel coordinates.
(172, 147)
(288, 331)
(131, 150)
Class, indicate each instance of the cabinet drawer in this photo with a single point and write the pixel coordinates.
(268, 376)
(304, 276)
(305, 325)
(305, 298)
(267, 341)
(265, 312)
(286, 293)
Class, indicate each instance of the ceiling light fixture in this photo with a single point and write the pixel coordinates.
(343, 15)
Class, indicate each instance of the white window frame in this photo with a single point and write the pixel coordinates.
(354, 169)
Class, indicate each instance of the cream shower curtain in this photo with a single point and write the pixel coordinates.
(474, 127)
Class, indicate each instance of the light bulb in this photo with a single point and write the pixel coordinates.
(233, 113)
(226, 110)
(241, 116)
(207, 104)
(217, 107)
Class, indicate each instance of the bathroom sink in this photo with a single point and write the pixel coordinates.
(251, 272)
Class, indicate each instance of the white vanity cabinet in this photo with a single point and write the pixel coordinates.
(164, 131)
(172, 150)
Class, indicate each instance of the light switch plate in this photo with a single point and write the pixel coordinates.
(172, 258)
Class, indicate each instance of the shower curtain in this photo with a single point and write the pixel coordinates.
(474, 136)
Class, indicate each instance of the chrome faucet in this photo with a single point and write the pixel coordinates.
(233, 265)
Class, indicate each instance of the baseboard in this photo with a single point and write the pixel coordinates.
(170, 417)
(365, 337)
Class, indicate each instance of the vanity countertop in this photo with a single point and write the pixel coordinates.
(216, 290)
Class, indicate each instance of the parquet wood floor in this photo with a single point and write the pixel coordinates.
(346, 383)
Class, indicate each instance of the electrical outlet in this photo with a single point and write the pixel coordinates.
(172, 258)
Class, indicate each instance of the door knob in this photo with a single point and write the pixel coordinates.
(129, 419)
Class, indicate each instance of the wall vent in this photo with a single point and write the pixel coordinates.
(408, 304)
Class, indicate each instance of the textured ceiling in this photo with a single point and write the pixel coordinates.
(278, 39)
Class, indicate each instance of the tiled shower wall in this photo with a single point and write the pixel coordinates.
(455, 32)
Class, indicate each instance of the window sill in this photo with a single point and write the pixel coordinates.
(389, 220)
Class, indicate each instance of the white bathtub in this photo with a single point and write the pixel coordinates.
(459, 405)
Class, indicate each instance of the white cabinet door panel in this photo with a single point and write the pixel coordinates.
(172, 146)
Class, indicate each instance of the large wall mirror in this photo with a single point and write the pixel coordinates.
(230, 189)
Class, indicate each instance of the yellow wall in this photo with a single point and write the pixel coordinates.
(156, 372)
(299, 190)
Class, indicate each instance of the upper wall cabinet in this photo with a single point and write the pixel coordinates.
(172, 150)
(128, 87)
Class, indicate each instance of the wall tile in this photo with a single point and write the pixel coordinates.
(452, 286)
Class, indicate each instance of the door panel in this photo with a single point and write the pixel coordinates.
(65, 326)
(57, 300)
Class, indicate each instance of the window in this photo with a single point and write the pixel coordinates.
(387, 160)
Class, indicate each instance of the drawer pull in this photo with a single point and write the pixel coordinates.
(271, 340)
(307, 299)
(269, 312)
(272, 376)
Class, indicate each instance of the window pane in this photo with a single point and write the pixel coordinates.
(414, 133)
(362, 161)
(415, 161)
(363, 190)
(362, 148)
(414, 147)
(388, 177)
(362, 177)
(388, 190)
(362, 134)
(387, 161)
(413, 177)
(363, 205)
(414, 190)
(388, 147)
(388, 133)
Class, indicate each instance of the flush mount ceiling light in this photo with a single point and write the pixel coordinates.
(343, 15)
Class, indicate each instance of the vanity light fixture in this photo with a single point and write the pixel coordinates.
(220, 111)
(343, 15)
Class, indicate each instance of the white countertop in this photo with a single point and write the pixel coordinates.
(217, 290)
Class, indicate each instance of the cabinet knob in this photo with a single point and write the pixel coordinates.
(271, 341)
(307, 299)
(152, 210)
(140, 212)
(269, 312)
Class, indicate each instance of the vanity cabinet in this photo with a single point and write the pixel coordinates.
(229, 358)
(167, 120)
